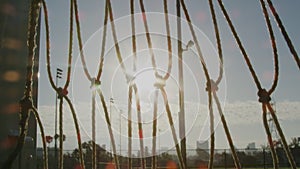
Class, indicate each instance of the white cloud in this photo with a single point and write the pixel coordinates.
(237, 114)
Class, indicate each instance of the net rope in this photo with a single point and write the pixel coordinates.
(214, 87)
(95, 83)
(263, 94)
(161, 80)
(284, 32)
(26, 103)
(208, 82)
(63, 92)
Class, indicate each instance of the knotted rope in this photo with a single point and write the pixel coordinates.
(214, 88)
(26, 103)
(263, 94)
(63, 92)
(161, 82)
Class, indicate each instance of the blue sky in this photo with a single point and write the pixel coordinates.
(237, 90)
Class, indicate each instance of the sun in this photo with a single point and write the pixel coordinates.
(145, 80)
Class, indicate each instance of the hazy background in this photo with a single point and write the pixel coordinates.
(237, 90)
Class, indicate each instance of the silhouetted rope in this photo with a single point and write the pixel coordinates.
(103, 42)
(181, 118)
(62, 92)
(79, 142)
(140, 126)
(130, 91)
(283, 140)
(215, 87)
(70, 46)
(61, 133)
(219, 44)
(275, 81)
(114, 34)
(171, 123)
(96, 81)
(167, 75)
(162, 79)
(94, 154)
(149, 41)
(207, 77)
(274, 47)
(248, 62)
(133, 34)
(154, 131)
(48, 61)
(129, 162)
(101, 64)
(45, 151)
(284, 33)
(263, 94)
(227, 132)
(80, 42)
(108, 122)
(130, 82)
(270, 139)
(26, 103)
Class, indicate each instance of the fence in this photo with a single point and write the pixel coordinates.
(197, 158)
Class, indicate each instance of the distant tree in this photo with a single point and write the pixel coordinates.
(202, 154)
(295, 143)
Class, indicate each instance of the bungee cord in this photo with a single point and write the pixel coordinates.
(161, 81)
(26, 102)
(214, 87)
(263, 94)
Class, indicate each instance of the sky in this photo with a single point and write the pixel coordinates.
(237, 90)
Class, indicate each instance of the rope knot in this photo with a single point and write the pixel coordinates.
(212, 87)
(95, 84)
(160, 82)
(25, 104)
(130, 79)
(62, 92)
(264, 96)
(28, 89)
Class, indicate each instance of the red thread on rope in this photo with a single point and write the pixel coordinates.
(62, 92)
(78, 136)
(140, 134)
